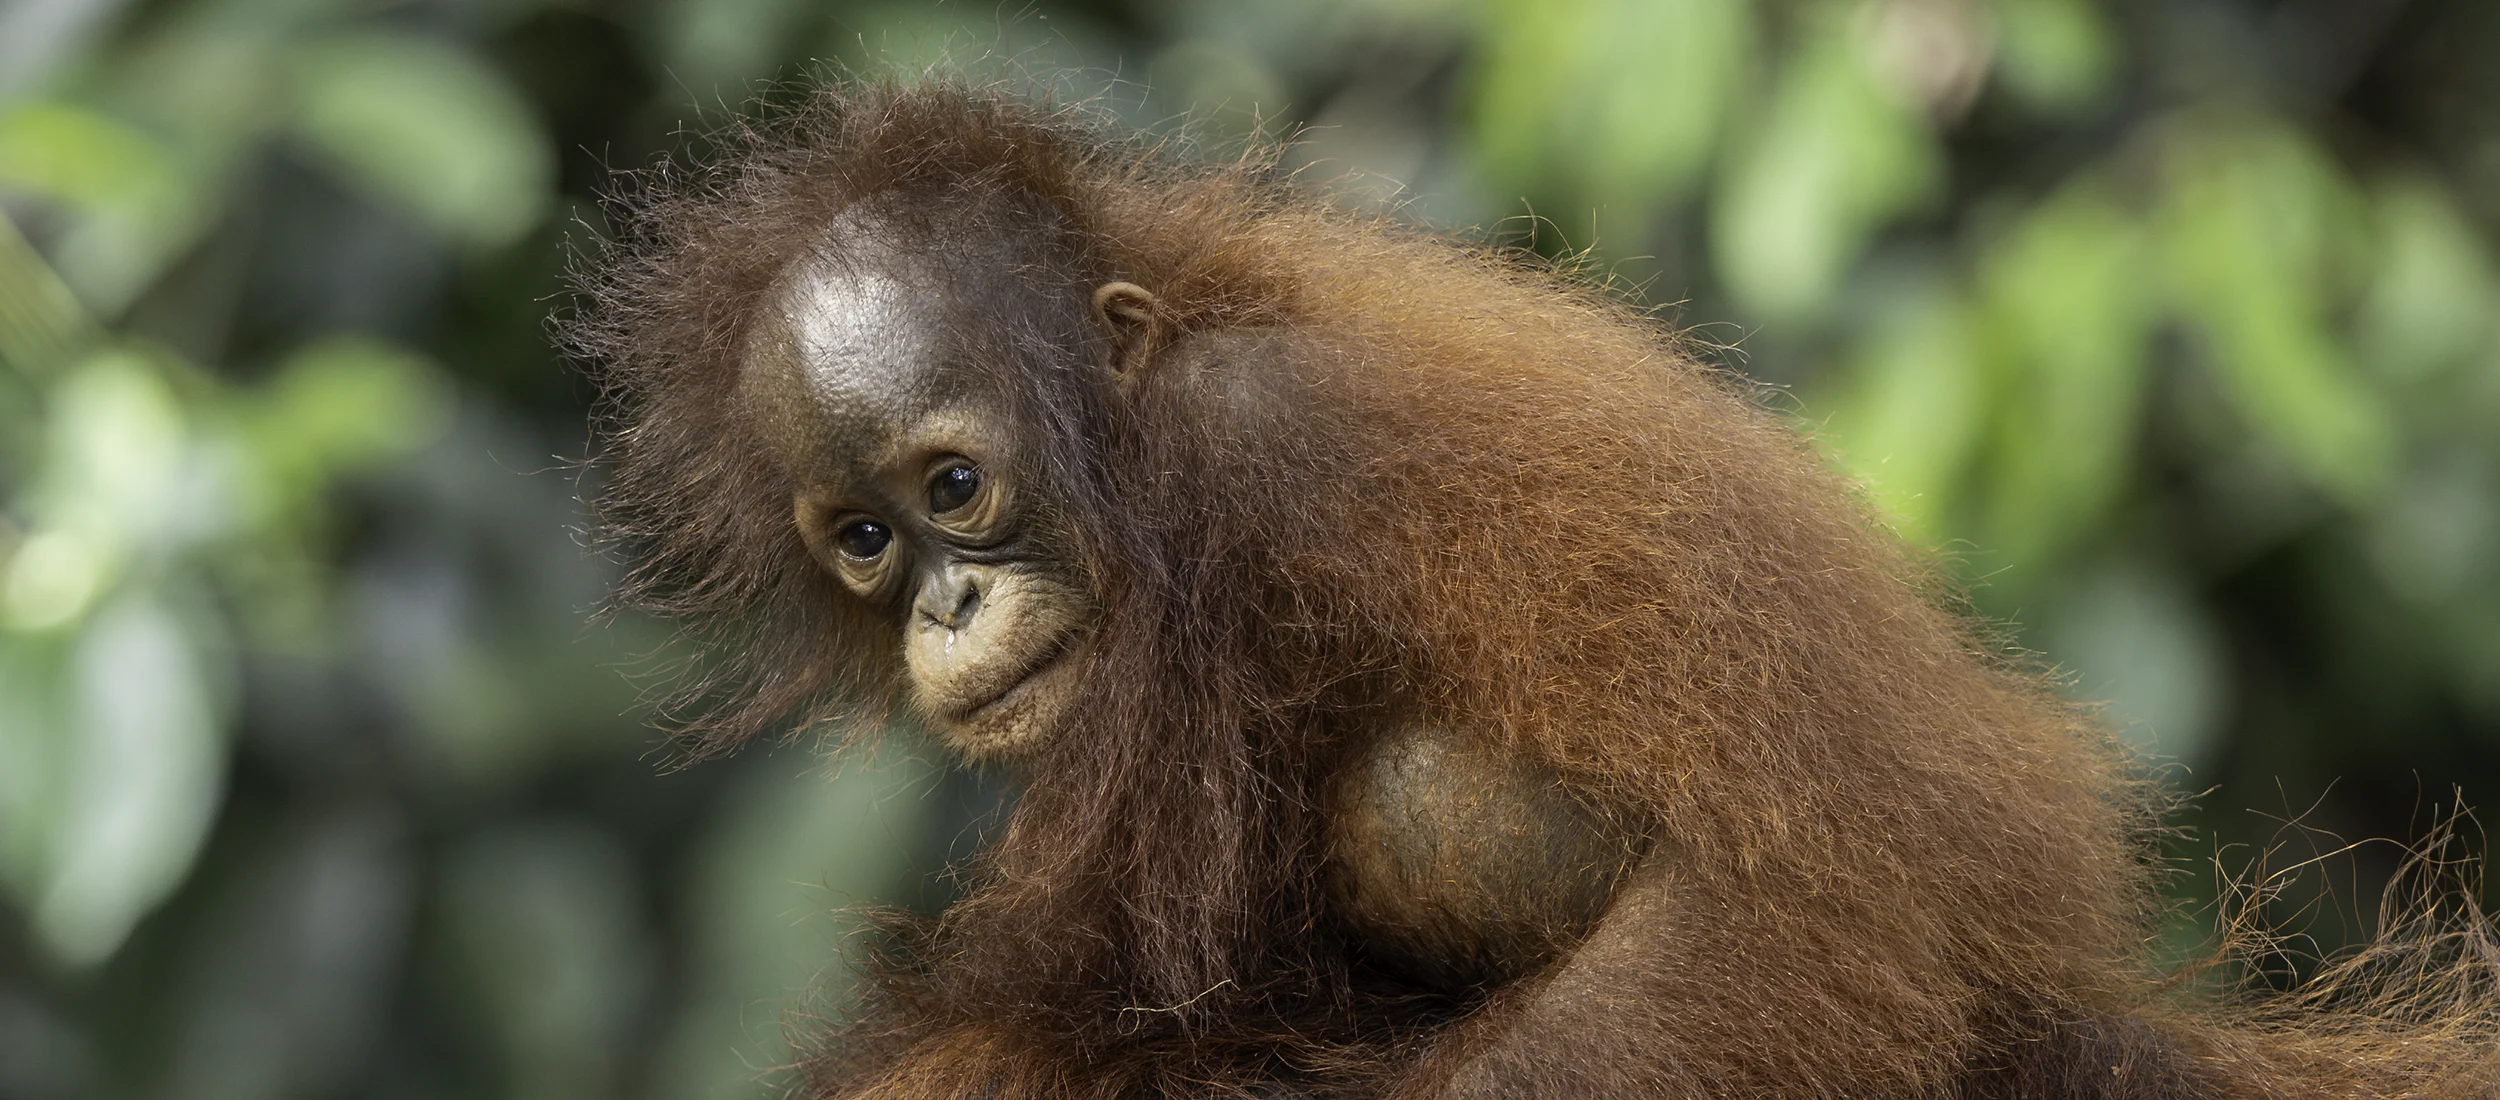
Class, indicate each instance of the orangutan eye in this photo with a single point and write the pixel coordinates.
(863, 539)
(953, 488)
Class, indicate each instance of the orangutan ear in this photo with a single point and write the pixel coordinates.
(1133, 318)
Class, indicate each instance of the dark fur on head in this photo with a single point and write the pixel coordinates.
(1465, 484)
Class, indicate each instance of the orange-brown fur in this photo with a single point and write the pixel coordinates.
(1455, 482)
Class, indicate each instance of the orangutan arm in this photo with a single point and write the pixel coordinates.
(1687, 990)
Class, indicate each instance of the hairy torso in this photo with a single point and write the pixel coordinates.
(1462, 866)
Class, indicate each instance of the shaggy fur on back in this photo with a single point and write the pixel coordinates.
(1475, 487)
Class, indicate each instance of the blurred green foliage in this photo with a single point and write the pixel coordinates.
(2170, 322)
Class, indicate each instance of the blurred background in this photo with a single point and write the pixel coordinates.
(2170, 322)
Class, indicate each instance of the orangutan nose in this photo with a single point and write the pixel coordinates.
(949, 598)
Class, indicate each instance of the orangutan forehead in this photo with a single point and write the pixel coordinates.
(856, 360)
(862, 339)
(846, 351)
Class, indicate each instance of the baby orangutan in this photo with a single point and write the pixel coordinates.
(1423, 677)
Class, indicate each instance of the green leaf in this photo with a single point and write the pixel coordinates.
(2434, 296)
(140, 773)
(428, 128)
(52, 577)
(1531, 56)
(42, 325)
(106, 488)
(33, 709)
(2071, 323)
(81, 158)
(338, 405)
(1911, 416)
(1664, 78)
(1838, 155)
(132, 210)
(2251, 219)
(1625, 99)
(2055, 55)
(347, 401)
